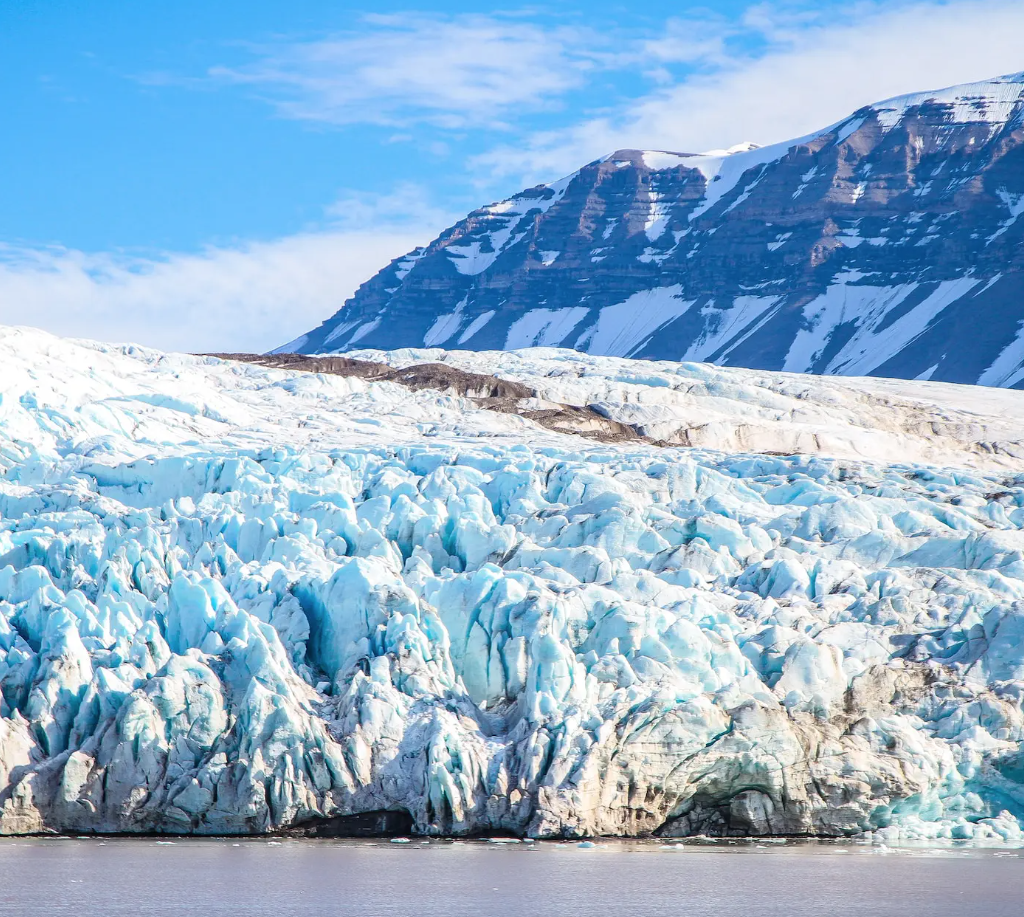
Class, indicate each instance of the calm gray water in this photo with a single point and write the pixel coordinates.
(253, 878)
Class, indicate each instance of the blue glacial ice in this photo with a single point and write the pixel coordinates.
(239, 600)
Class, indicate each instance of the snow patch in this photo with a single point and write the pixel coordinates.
(621, 329)
(476, 325)
(729, 326)
(544, 327)
(989, 102)
(445, 326)
(365, 329)
(849, 127)
(1015, 204)
(874, 340)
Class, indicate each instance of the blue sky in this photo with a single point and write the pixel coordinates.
(174, 125)
(200, 175)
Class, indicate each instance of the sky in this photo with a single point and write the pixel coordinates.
(222, 176)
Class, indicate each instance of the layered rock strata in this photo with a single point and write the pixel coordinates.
(888, 244)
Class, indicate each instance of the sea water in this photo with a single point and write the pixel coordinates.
(258, 878)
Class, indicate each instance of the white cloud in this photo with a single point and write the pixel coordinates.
(810, 71)
(398, 70)
(251, 297)
(408, 206)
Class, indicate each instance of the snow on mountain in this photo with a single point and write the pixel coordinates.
(994, 102)
(888, 244)
(236, 599)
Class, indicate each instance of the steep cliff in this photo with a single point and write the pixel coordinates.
(236, 599)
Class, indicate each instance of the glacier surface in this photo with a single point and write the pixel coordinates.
(237, 600)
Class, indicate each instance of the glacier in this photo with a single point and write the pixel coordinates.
(237, 599)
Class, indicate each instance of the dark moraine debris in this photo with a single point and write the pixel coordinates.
(488, 392)
(335, 366)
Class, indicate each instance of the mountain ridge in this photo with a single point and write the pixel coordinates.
(871, 247)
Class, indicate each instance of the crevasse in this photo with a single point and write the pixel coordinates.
(234, 630)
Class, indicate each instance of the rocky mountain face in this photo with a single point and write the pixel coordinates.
(888, 244)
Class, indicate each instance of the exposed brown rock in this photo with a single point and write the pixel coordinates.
(487, 392)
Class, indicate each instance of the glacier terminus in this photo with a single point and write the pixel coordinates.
(238, 599)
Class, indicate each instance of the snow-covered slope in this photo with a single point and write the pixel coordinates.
(888, 244)
(240, 599)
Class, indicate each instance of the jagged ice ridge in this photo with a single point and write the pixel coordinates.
(236, 599)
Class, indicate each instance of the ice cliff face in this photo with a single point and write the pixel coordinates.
(888, 244)
(238, 599)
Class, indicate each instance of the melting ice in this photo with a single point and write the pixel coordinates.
(235, 600)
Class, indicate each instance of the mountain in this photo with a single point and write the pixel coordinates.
(888, 244)
(388, 597)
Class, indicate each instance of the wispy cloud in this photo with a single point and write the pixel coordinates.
(407, 206)
(801, 71)
(449, 71)
(775, 71)
(252, 296)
